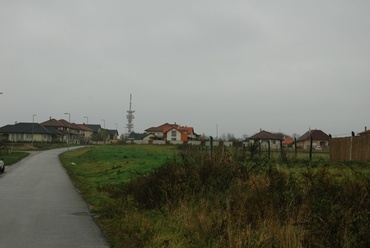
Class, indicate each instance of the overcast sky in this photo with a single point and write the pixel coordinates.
(237, 65)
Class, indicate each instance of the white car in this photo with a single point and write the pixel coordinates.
(2, 166)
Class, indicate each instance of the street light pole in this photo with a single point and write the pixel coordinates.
(104, 122)
(33, 121)
(69, 131)
(87, 120)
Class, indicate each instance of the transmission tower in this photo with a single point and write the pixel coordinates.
(130, 118)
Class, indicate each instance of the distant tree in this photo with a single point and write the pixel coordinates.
(101, 136)
(231, 137)
(227, 137)
(280, 135)
(245, 137)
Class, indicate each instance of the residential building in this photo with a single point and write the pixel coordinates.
(319, 139)
(172, 132)
(86, 132)
(113, 134)
(71, 131)
(266, 140)
(28, 132)
(366, 132)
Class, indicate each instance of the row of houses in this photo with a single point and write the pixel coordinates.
(61, 130)
(320, 140)
(54, 130)
(176, 133)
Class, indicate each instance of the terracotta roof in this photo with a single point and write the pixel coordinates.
(53, 123)
(85, 128)
(164, 128)
(264, 135)
(287, 140)
(315, 134)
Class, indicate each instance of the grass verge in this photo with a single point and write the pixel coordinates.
(13, 157)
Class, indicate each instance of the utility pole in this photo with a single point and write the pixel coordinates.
(33, 121)
(69, 129)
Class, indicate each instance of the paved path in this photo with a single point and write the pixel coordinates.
(40, 207)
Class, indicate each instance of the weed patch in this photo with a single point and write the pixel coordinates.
(187, 199)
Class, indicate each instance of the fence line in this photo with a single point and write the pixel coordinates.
(354, 148)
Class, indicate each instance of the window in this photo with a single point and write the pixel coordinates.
(173, 133)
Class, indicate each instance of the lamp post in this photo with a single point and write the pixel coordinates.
(33, 121)
(87, 119)
(104, 122)
(69, 132)
(116, 125)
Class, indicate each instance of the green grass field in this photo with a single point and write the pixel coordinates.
(158, 196)
(13, 157)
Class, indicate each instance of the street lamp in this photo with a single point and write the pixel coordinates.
(116, 126)
(33, 121)
(69, 131)
(104, 122)
(87, 119)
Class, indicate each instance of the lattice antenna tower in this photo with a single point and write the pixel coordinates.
(130, 117)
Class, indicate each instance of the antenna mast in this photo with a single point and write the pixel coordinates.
(130, 118)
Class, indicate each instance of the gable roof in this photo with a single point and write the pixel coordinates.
(29, 128)
(366, 132)
(84, 127)
(264, 135)
(53, 123)
(136, 136)
(315, 134)
(162, 128)
(94, 127)
(112, 132)
(287, 140)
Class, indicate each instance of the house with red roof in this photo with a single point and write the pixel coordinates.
(171, 132)
(73, 133)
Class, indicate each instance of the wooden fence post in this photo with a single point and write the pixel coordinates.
(295, 147)
(281, 149)
(311, 141)
(211, 146)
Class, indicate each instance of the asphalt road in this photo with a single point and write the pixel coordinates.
(40, 207)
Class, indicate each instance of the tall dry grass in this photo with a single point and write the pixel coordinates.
(197, 201)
